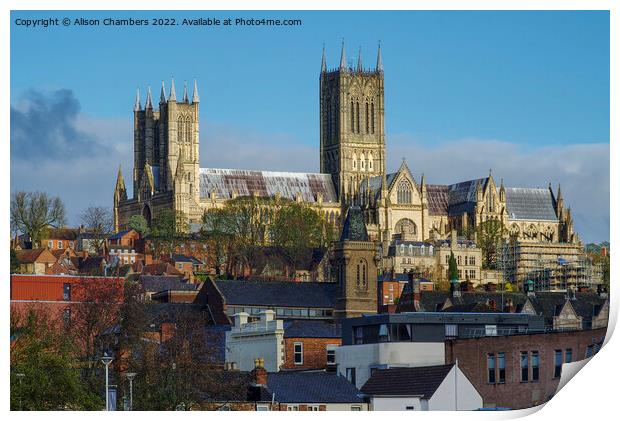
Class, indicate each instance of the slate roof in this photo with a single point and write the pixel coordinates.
(530, 204)
(312, 387)
(311, 329)
(280, 294)
(266, 184)
(185, 259)
(354, 228)
(407, 381)
(437, 197)
(465, 191)
(152, 283)
(118, 235)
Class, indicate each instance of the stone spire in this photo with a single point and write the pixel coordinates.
(149, 99)
(343, 58)
(195, 96)
(323, 61)
(360, 65)
(137, 106)
(173, 94)
(120, 185)
(379, 59)
(162, 95)
(185, 94)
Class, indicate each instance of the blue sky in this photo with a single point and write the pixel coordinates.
(535, 84)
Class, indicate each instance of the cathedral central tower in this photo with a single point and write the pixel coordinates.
(352, 123)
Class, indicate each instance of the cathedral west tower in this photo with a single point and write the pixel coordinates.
(352, 124)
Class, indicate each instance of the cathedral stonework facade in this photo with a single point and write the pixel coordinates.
(395, 206)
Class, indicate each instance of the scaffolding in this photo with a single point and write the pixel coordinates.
(550, 266)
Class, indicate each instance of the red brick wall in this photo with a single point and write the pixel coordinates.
(472, 359)
(50, 288)
(314, 352)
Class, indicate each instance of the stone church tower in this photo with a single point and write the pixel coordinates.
(354, 262)
(352, 124)
(166, 158)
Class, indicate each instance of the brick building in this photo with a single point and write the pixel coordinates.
(58, 296)
(520, 371)
(310, 344)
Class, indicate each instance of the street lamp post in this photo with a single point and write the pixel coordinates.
(20, 376)
(106, 359)
(130, 377)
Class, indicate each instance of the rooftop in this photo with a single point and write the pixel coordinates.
(407, 381)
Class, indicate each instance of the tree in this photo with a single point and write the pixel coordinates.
(140, 224)
(14, 262)
(216, 231)
(296, 229)
(490, 234)
(32, 213)
(453, 272)
(49, 375)
(166, 228)
(98, 221)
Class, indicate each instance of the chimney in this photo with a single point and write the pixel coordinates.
(415, 287)
(267, 316)
(240, 319)
(509, 307)
(259, 374)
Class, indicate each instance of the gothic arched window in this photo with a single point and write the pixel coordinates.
(352, 118)
(180, 130)
(362, 276)
(404, 192)
(357, 112)
(367, 119)
(372, 118)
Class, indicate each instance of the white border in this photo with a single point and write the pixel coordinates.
(591, 394)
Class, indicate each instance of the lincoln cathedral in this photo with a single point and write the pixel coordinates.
(399, 205)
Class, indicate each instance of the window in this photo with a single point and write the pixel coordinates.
(452, 331)
(292, 408)
(262, 407)
(71, 244)
(568, 356)
(589, 350)
(359, 336)
(313, 408)
(410, 408)
(490, 330)
(525, 375)
(356, 408)
(491, 368)
(535, 364)
(501, 366)
(383, 333)
(50, 244)
(331, 354)
(298, 351)
(458, 260)
(66, 292)
(59, 244)
(557, 372)
(403, 193)
(351, 375)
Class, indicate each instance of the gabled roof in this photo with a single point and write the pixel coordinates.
(225, 182)
(185, 259)
(407, 381)
(280, 294)
(311, 329)
(163, 268)
(312, 387)
(35, 255)
(119, 235)
(530, 204)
